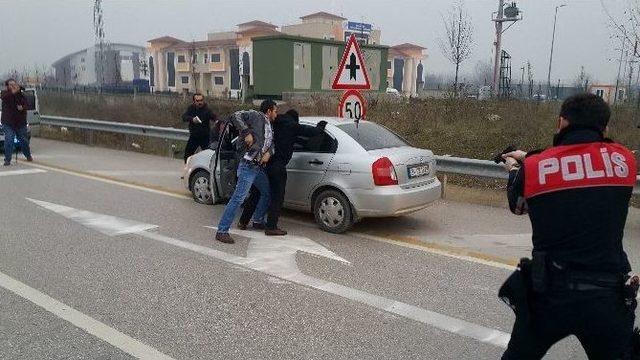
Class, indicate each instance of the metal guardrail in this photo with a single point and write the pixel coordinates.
(448, 164)
(484, 168)
(116, 127)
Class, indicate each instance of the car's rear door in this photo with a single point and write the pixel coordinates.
(309, 163)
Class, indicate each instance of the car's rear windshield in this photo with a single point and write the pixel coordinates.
(372, 136)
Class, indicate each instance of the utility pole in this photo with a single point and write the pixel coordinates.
(498, 46)
(624, 37)
(522, 83)
(513, 14)
(553, 39)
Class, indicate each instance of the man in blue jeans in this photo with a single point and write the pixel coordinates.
(14, 120)
(256, 149)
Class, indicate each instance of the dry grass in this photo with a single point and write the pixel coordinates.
(459, 127)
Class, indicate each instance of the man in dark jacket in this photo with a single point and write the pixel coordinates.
(14, 120)
(577, 196)
(286, 131)
(199, 117)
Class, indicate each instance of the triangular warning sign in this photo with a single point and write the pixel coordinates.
(352, 72)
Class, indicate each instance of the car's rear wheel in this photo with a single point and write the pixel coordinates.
(200, 186)
(333, 212)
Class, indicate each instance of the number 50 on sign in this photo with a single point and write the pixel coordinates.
(352, 106)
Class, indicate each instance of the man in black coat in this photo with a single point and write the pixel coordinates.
(199, 117)
(14, 120)
(286, 130)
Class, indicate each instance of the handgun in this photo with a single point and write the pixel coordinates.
(498, 158)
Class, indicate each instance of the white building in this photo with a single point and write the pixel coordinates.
(123, 63)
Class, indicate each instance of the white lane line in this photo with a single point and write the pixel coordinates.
(21, 172)
(94, 327)
(175, 174)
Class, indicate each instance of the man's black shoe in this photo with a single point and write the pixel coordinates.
(275, 232)
(224, 238)
(257, 226)
(242, 226)
(7, 163)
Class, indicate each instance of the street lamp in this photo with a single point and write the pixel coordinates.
(553, 39)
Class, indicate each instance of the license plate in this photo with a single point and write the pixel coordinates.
(418, 170)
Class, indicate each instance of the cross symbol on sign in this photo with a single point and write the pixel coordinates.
(352, 67)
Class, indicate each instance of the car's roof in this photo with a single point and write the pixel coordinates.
(332, 120)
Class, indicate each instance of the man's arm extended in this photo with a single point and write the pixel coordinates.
(310, 131)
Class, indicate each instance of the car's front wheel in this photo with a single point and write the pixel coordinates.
(200, 186)
(333, 212)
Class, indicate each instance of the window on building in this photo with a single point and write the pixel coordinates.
(81, 59)
(206, 58)
(215, 58)
(181, 58)
(185, 79)
(600, 92)
(218, 80)
(194, 60)
(388, 65)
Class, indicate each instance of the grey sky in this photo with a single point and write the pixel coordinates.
(41, 31)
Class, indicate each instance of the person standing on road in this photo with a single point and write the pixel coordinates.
(256, 148)
(577, 196)
(286, 129)
(199, 117)
(14, 120)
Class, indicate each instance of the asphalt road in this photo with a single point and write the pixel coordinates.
(91, 268)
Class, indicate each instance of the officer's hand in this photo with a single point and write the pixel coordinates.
(511, 163)
(248, 140)
(518, 155)
(265, 158)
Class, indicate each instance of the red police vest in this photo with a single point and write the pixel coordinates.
(579, 166)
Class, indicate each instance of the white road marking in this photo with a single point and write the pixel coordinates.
(277, 257)
(92, 326)
(21, 172)
(175, 174)
(108, 225)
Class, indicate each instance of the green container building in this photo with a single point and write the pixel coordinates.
(285, 63)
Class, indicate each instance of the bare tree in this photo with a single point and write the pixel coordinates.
(583, 80)
(457, 45)
(482, 73)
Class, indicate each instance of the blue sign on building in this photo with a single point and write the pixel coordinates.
(360, 27)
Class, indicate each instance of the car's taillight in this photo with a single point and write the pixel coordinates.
(384, 173)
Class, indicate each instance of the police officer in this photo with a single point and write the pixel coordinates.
(577, 196)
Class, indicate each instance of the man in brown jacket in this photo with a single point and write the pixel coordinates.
(14, 120)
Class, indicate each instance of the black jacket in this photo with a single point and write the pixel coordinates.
(11, 116)
(581, 228)
(286, 130)
(204, 114)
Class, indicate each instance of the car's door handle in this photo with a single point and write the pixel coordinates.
(316, 162)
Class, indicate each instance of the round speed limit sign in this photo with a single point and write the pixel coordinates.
(352, 106)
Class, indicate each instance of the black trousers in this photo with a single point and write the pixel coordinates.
(277, 174)
(193, 143)
(599, 319)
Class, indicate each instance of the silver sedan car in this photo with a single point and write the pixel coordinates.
(350, 172)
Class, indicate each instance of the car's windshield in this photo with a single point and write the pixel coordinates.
(372, 136)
